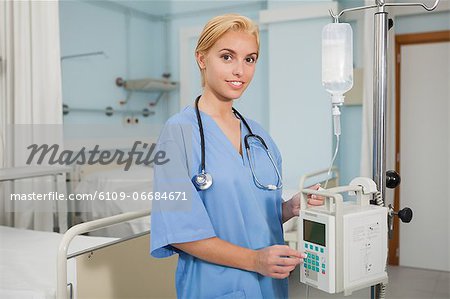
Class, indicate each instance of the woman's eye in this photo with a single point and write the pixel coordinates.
(250, 60)
(226, 57)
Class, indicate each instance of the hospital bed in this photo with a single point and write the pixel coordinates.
(309, 179)
(28, 261)
(50, 265)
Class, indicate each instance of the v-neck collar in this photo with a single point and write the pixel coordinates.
(207, 118)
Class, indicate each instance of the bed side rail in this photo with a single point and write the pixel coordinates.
(61, 271)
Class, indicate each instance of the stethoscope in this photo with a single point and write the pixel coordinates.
(203, 180)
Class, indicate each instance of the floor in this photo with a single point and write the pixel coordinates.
(404, 283)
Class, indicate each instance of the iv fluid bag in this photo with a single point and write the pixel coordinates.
(337, 58)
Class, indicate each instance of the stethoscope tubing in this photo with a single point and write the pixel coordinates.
(202, 135)
(247, 147)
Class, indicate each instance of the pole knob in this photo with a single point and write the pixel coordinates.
(392, 179)
(405, 214)
(390, 24)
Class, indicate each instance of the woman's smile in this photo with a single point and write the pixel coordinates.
(235, 84)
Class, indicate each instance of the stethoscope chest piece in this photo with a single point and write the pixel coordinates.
(202, 181)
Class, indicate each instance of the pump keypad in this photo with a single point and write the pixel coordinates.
(313, 264)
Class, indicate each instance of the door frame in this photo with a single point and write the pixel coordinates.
(403, 40)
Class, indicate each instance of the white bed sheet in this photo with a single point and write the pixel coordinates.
(134, 182)
(28, 261)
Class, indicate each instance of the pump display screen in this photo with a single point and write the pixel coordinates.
(314, 232)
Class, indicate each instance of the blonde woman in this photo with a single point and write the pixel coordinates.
(228, 230)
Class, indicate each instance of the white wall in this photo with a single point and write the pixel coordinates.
(424, 152)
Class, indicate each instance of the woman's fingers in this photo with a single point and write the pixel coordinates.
(288, 261)
(284, 250)
(278, 261)
(282, 270)
(315, 201)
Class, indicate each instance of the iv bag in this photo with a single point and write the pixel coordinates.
(337, 60)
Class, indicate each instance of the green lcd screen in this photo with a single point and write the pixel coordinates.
(314, 232)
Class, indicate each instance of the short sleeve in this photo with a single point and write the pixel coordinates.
(179, 214)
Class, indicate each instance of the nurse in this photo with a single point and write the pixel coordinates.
(229, 236)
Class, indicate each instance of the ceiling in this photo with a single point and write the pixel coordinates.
(173, 7)
(153, 7)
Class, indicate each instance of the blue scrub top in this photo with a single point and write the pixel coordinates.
(233, 208)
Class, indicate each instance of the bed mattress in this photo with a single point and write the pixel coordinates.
(28, 261)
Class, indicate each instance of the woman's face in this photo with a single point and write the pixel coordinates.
(229, 64)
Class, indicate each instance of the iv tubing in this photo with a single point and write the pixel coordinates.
(332, 161)
(337, 133)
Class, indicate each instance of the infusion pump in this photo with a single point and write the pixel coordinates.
(345, 242)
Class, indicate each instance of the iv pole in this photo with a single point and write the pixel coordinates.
(381, 27)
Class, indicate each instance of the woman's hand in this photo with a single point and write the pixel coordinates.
(277, 261)
(291, 208)
(314, 200)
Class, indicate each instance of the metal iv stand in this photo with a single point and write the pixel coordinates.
(382, 178)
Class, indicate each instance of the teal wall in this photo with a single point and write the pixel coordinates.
(349, 154)
(423, 23)
(300, 121)
(286, 95)
(274, 4)
(133, 49)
